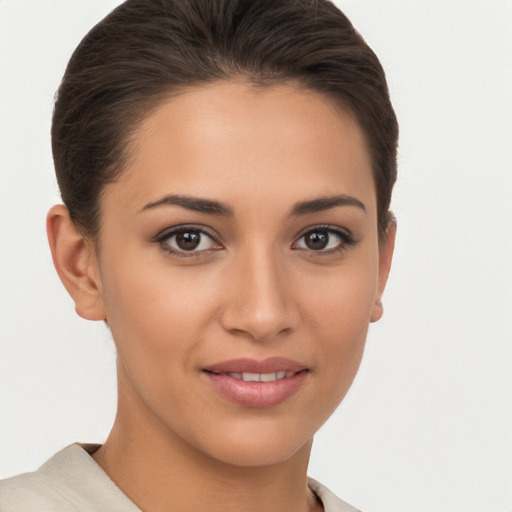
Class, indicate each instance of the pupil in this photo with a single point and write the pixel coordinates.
(317, 240)
(188, 241)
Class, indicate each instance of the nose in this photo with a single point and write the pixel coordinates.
(259, 299)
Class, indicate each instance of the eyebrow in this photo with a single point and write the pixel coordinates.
(326, 203)
(195, 204)
(211, 207)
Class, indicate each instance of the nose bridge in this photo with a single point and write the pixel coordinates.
(260, 301)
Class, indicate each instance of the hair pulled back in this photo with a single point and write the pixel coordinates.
(146, 50)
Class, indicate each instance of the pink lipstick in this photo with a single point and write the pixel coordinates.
(257, 384)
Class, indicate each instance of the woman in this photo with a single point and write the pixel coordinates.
(226, 170)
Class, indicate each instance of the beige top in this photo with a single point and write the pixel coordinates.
(71, 481)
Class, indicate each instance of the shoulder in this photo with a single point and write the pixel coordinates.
(330, 501)
(31, 491)
(70, 481)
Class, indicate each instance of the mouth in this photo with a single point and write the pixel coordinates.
(257, 384)
(259, 377)
(237, 368)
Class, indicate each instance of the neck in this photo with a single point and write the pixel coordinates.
(160, 472)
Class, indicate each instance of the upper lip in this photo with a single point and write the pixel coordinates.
(246, 365)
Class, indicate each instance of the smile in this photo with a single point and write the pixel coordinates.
(260, 377)
(257, 384)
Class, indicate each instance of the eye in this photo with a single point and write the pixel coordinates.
(324, 239)
(184, 240)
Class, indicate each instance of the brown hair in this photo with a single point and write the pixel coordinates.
(146, 50)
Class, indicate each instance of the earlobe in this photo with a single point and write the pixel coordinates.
(76, 263)
(385, 258)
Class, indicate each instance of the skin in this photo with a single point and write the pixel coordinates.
(254, 289)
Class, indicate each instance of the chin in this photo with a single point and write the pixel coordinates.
(256, 455)
(253, 447)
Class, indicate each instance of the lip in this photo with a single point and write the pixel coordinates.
(269, 365)
(260, 395)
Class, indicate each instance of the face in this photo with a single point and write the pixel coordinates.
(238, 268)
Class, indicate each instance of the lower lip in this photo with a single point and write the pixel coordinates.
(261, 395)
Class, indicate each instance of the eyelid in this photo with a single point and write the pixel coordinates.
(347, 238)
(169, 232)
(179, 228)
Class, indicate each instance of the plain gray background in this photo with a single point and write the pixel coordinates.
(427, 426)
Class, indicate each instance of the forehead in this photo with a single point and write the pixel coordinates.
(234, 140)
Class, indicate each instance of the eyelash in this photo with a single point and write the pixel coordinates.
(162, 239)
(346, 240)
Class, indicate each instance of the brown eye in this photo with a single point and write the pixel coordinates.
(188, 240)
(316, 240)
(324, 240)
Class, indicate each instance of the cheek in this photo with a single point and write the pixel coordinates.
(339, 315)
(342, 302)
(155, 315)
(157, 324)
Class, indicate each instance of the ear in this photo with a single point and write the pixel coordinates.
(385, 257)
(75, 260)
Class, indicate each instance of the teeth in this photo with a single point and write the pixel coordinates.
(251, 377)
(261, 377)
